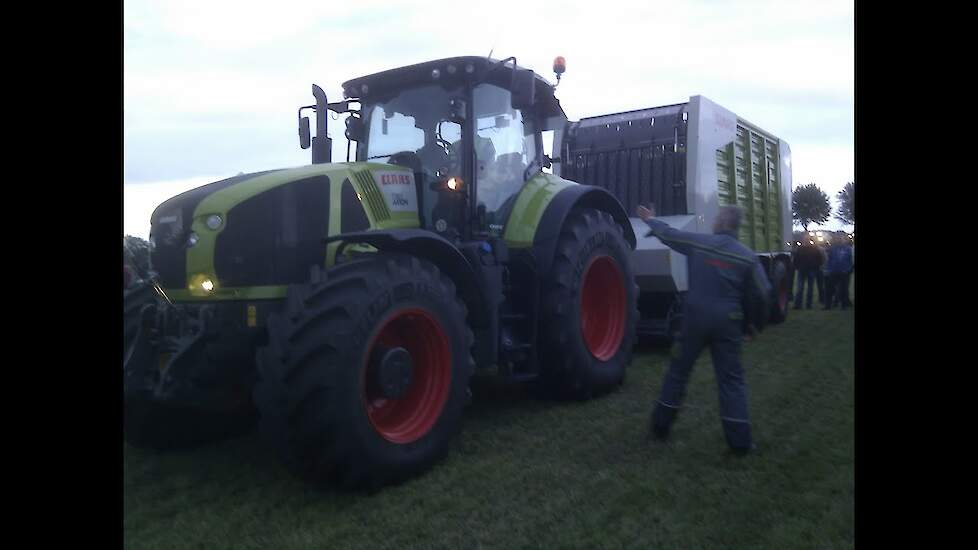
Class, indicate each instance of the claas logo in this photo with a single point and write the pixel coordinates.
(395, 179)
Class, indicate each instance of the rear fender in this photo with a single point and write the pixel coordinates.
(565, 201)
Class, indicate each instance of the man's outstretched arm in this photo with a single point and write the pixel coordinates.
(681, 241)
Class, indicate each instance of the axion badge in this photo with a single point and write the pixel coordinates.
(398, 189)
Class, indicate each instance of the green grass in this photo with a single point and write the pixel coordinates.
(531, 474)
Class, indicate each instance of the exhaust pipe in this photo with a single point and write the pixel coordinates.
(322, 145)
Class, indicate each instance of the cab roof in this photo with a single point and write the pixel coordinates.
(450, 70)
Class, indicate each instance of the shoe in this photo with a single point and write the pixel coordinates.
(656, 433)
(659, 433)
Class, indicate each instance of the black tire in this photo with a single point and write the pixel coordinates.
(780, 290)
(579, 362)
(312, 395)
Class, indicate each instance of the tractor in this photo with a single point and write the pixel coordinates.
(344, 307)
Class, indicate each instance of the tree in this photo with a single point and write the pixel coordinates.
(846, 212)
(809, 204)
(135, 252)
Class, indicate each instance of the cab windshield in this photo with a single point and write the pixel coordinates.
(413, 129)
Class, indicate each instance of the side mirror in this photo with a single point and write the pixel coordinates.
(304, 132)
(523, 89)
(355, 129)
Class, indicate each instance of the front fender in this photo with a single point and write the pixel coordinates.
(437, 250)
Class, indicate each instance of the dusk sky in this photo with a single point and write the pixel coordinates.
(211, 88)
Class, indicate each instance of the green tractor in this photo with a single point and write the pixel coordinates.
(344, 307)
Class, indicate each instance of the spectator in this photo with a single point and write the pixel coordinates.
(823, 291)
(808, 262)
(837, 269)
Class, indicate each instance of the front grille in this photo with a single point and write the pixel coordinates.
(170, 227)
(275, 237)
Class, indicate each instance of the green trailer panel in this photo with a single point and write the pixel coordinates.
(747, 176)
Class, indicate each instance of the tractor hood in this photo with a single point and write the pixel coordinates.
(249, 236)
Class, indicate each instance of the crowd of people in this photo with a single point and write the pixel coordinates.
(829, 269)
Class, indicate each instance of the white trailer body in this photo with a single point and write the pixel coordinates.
(688, 160)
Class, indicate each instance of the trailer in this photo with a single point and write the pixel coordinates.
(687, 159)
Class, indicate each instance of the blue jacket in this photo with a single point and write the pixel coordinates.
(725, 276)
(840, 259)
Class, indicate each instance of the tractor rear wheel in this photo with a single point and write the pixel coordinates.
(366, 372)
(780, 283)
(590, 311)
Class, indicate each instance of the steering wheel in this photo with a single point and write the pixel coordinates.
(409, 159)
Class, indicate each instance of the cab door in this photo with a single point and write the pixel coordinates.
(505, 145)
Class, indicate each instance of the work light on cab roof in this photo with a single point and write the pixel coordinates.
(560, 65)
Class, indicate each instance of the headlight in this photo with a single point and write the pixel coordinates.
(192, 239)
(201, 285)
(213, 222)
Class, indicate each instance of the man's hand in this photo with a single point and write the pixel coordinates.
(646, 213)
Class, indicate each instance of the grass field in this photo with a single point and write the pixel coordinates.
(531, 474)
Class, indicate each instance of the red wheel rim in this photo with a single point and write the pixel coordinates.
(410, 417)
(603, 307)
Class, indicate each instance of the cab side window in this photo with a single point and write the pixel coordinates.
(504, 148)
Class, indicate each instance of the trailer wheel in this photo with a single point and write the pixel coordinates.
(780, 284)
(590, 311)
(366, 372)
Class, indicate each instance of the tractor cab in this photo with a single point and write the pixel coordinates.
(468, 127)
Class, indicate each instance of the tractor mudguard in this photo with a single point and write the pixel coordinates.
(436, 249)
(574, 196)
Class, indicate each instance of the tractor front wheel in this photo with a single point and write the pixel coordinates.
(366, 372)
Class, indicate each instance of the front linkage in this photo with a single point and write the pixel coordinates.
(188, 374)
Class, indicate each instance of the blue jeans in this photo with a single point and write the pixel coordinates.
(723, 336)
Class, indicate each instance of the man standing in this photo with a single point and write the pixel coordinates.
(808, 262)
(824, 291)
(838, 268)
(727, 289)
